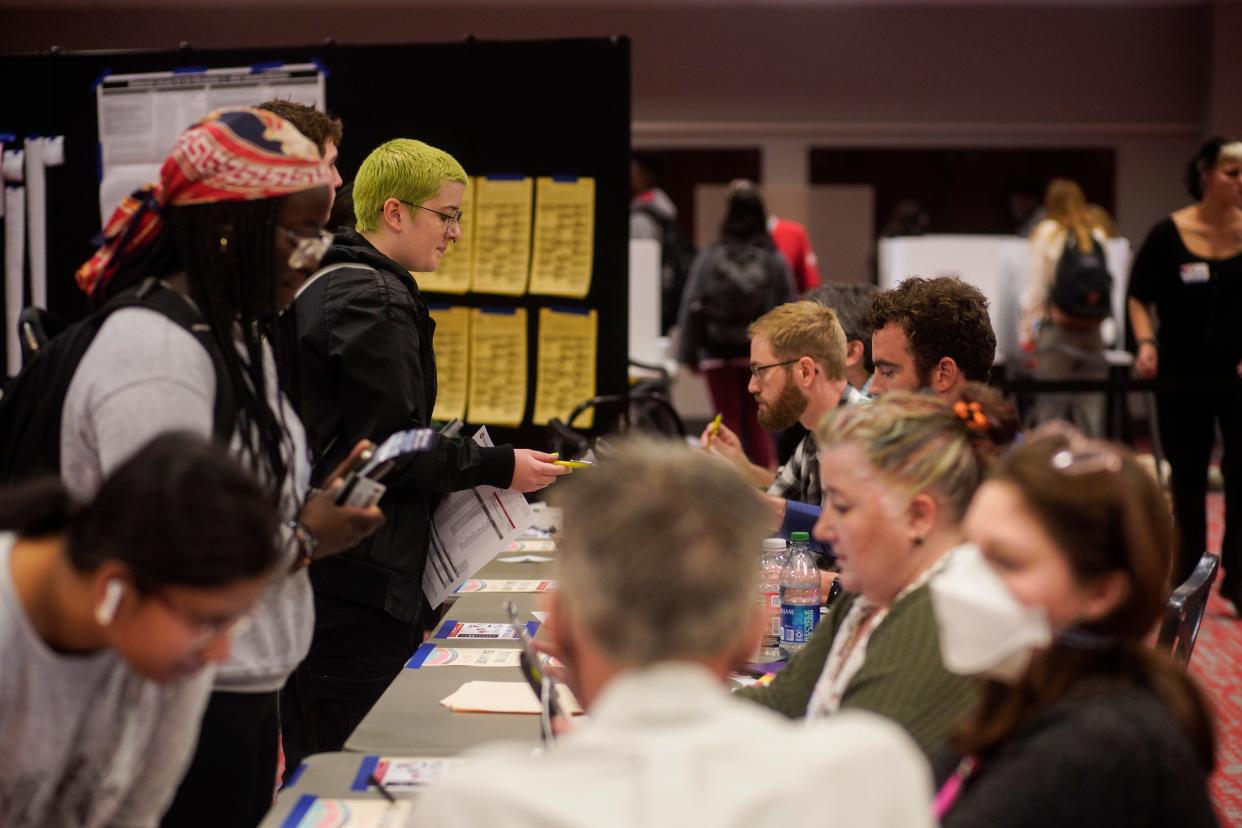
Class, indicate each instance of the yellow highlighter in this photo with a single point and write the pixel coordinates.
(574, 464)
(713, 429)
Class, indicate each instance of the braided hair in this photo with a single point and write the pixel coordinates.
(227, 251)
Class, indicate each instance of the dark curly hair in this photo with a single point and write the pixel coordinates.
(942, 317)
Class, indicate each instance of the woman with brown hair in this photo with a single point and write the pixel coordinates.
(1081, 723)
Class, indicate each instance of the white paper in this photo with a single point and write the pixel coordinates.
(14, 272)
(141, 115)
(524, 559)
(36, 220)
(542, 616)
(399, 773)
(468, 530)
(505, 697)
(532, 545)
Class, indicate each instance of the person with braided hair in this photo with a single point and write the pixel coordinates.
(897, 476)
(233, 229)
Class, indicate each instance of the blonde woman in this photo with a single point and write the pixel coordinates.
(1067, 344)
(897, 476)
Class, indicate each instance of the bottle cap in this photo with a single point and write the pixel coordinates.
(804, 537)
(774, 544)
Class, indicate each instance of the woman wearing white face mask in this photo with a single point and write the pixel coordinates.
(897, 476)
(1082, 723)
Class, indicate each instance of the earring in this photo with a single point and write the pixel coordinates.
(106, 611)
(224, 244)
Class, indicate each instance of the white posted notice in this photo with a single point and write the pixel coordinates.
(469, 529)
(141, 115)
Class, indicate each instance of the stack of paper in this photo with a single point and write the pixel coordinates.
(504, 697)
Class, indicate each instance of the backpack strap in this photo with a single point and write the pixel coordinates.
(152, 294)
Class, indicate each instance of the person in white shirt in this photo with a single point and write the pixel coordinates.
(656, 604)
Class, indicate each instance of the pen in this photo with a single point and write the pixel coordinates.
(379, 786)
(574, 464)
(714, 429)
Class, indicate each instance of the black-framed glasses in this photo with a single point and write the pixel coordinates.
(757, 370)
(307, 251)
(449, 219)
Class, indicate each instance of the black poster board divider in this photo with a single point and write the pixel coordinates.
(536, 107)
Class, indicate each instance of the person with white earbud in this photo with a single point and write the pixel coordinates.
(113, 614)
(1082, 723)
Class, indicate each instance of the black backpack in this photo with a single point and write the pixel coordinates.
(676, 256)
(1082, 287)
(31, 408)
(736, 291)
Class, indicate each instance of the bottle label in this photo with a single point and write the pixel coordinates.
(798, 621)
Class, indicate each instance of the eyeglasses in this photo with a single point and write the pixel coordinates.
(449, 219)
(307, 251)
(203, 631)
(757, 370)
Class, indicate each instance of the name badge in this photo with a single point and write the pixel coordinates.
(1195, 273)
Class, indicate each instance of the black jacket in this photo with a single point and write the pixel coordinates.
(366, 369)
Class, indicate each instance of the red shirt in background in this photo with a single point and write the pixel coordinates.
(791, 239)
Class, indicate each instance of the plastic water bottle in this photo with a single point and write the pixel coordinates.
(799, 594)
(771, 564)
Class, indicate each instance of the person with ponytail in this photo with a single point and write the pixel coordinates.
(1081, 723)
(112, 614)
(897, 475)
(233, 229)
(1065, 346)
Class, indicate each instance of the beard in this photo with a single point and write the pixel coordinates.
(784, 411)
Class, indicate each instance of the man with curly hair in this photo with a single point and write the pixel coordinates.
(931, 334)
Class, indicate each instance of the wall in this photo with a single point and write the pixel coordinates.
(1139, 78)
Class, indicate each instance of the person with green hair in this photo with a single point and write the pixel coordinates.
(366, 369)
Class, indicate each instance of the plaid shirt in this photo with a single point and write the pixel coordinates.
(798, 479)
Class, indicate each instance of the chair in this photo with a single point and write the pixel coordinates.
(1184, 611)
(645, 407)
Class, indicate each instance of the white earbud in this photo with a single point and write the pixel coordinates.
(106, 611)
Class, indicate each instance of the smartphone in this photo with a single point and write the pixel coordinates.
(532, 668)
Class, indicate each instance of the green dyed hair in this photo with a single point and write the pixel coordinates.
(404, 169)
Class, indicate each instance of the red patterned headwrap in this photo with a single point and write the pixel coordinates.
(235, 154)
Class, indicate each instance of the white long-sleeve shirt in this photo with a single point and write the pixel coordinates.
(668, 746)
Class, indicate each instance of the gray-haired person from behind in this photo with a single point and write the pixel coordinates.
(658, 569)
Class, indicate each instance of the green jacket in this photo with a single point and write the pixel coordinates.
(902, 679)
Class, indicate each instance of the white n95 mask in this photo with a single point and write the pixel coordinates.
(984, 630)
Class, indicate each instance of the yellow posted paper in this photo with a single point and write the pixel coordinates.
(497, 366)
(564, 236)
(505, 697)
(453, 274)
(452, 347)
(502, 214)
(566, 375)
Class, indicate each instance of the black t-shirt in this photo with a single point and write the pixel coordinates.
(1198, 300)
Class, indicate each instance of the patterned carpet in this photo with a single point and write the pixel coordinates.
(1217, 662)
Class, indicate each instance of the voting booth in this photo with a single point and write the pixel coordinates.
(997, 265)
(531, 305)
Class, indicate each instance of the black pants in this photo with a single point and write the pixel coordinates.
(1188, 431)
(232, 778)
(356, 653)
